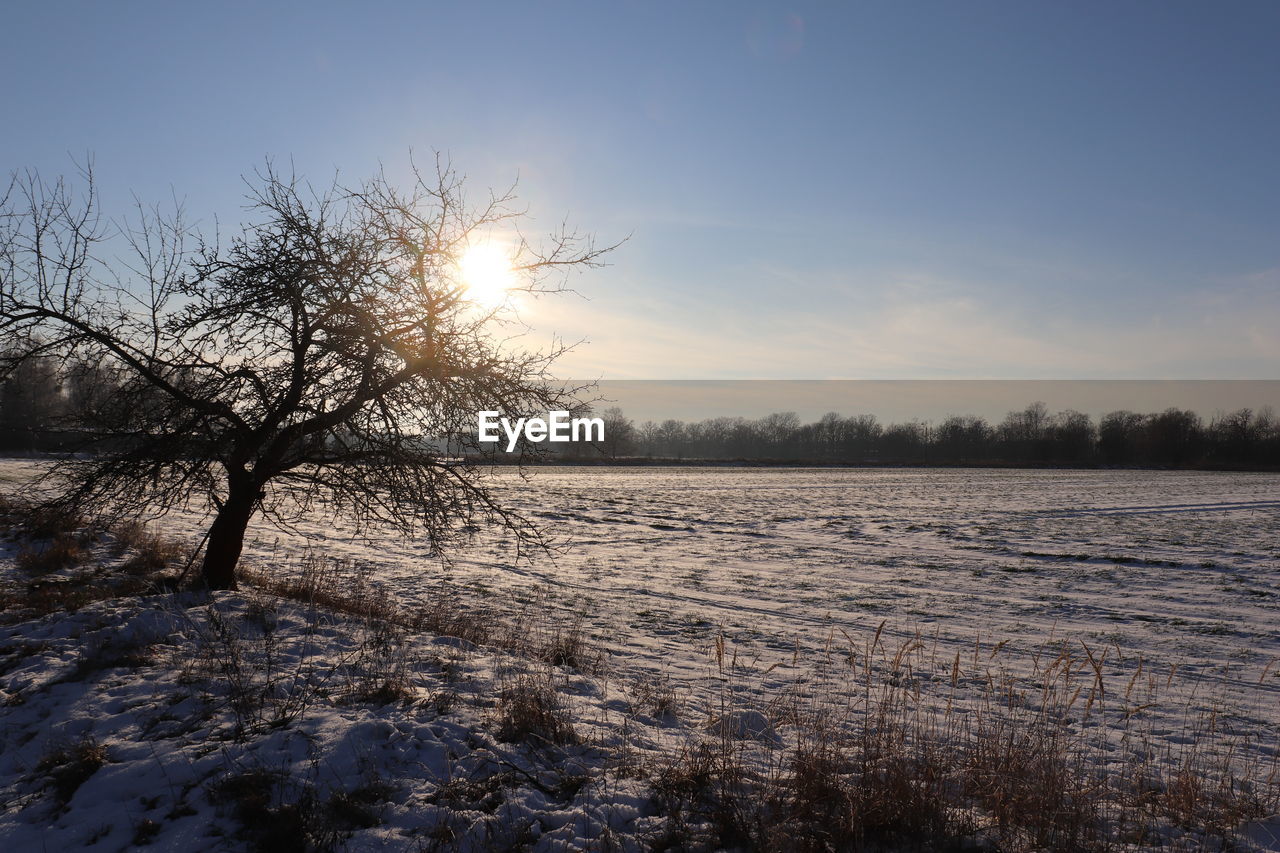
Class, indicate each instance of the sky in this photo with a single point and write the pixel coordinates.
(883, 190)
(925, 400)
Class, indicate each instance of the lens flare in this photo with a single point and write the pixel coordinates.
(487, 275)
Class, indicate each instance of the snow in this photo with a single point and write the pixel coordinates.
(743, 725)
(171, 738)
(1264, 833)
(1175, 568)
(725, 588)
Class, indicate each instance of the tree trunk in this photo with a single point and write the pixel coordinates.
(226, 539)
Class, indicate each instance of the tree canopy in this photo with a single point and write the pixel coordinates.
(310, 362)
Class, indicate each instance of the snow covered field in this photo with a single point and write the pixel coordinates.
(738, 588)
(1179, 568)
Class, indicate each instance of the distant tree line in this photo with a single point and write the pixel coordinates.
(45, 405)
(1177, 438)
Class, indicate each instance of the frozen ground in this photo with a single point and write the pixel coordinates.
(735, 585)
(303, 751)
(1178, 568)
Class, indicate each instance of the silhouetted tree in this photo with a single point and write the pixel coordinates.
(963, 439)
(647, 438)
(619, 433)
(1120, 436)
(777, 430)
(30, 397)
(90, 388)
(1023, 433)
(299, 366)
(903, 442)
(1174, 437)
(1071, 437)
(671, 437)
(1033, 435)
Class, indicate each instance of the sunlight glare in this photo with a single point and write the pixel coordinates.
(487, 274)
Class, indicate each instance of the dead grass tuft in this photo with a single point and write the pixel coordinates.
(446, 616)
(278, 813)
(336, 585)
(654, 696)
(70, 765)
(148, 553)
(63, 552)
(55, 553)
(530, 709)
(36, 521)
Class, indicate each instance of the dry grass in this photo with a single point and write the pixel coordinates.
(42, 522)
(655, 696)
(267, 683)
(531, 630)
(69, 766)
(894, 748)
(148, 554)
(339, 586)
(40, 597)
(278, 813)
(449, 616)
(64, 551)
(50, 539)
(59, 562)
(530, 709)
(383, 672)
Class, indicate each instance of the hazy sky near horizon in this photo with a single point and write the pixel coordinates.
(812, 190)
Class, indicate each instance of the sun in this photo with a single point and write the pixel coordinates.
(487, 275)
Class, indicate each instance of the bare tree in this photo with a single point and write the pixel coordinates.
(619, 433)
(30, 398)
(312, 362)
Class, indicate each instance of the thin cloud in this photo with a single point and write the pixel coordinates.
(918, 327)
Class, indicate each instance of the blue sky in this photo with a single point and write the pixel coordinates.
(860, 190)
